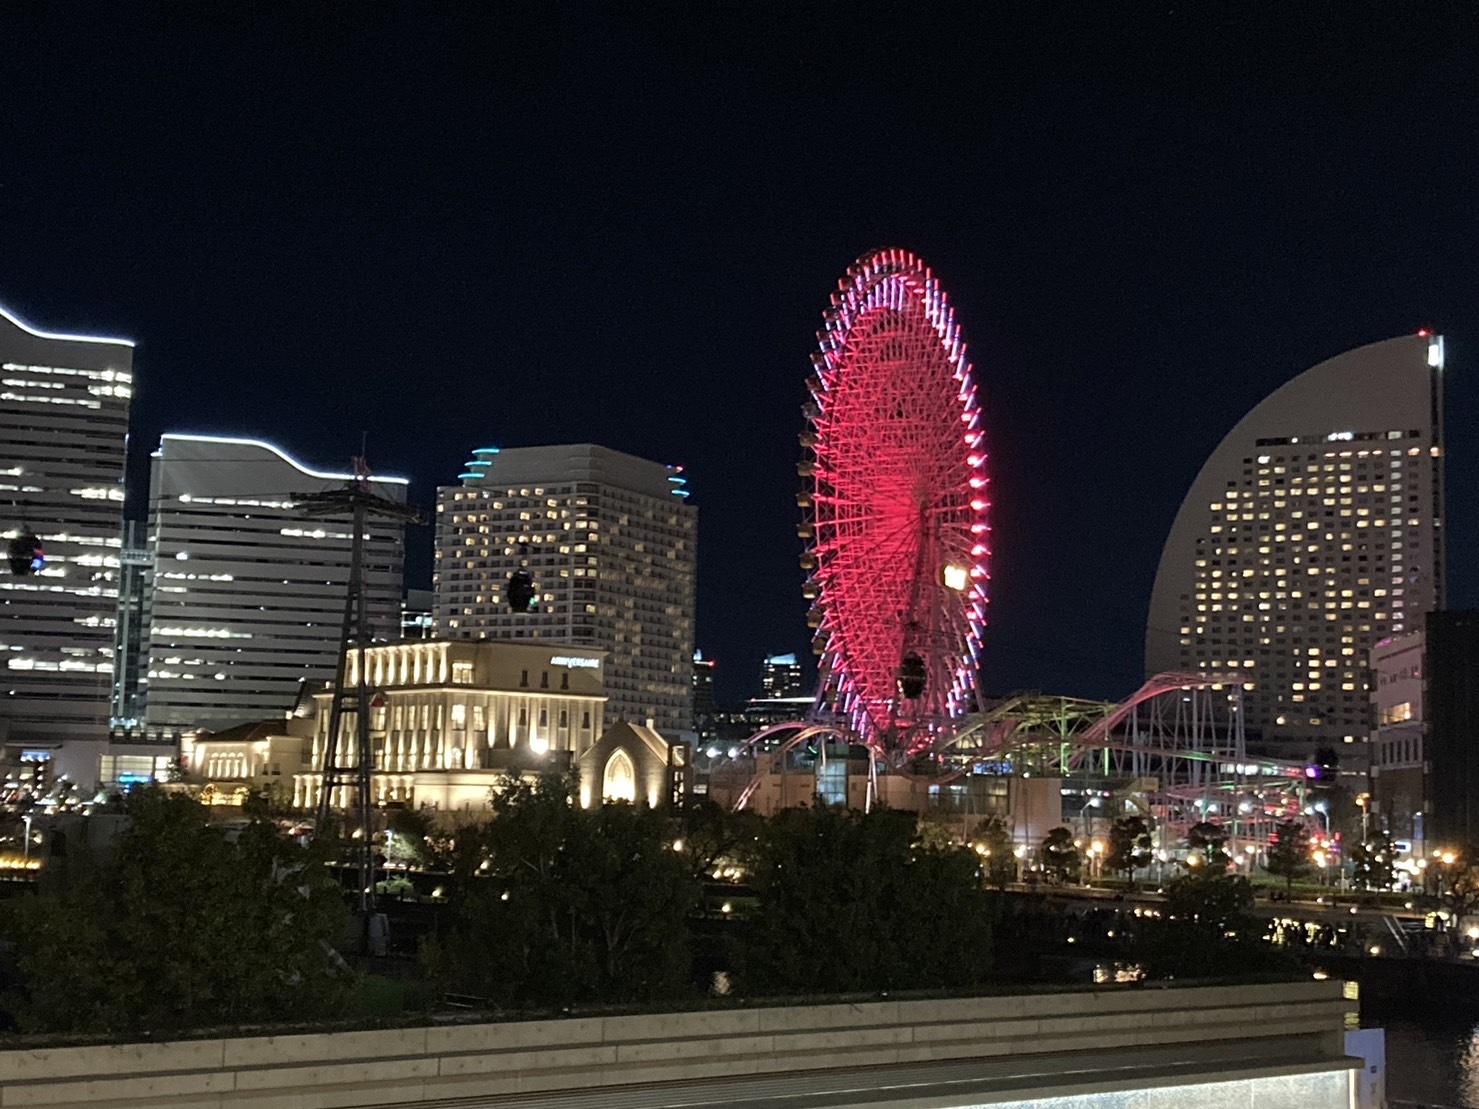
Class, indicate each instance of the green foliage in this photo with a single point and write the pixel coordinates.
(574, 904)
(1060, 857)
(182, 929)
(714, 837)
(1208, 897)
(1458, 882)
(937, 830)
(1374, 863)
(852, 901)
(268, 802)
(1208, 841)
(1129, 846)
(1289, 853)
(994, 846)
(411, 840)
(1206, 931)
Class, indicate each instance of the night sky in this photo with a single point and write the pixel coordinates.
(459, 225)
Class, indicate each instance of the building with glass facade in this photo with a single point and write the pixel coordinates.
(780, 676)
(607, 547)
(1314, 531)
(247, 594)
(64, 402)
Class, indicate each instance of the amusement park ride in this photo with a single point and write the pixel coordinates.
(895, 500)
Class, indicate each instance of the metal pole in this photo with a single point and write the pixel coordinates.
(362, 712)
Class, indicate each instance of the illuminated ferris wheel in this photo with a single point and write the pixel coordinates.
(896, 503)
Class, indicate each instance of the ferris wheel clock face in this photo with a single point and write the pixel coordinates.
(897, 501)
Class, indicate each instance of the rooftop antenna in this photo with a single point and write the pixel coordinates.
(358, 501)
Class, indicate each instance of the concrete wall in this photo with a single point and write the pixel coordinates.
(1289, 1029)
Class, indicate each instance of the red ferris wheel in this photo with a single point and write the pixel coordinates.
(896, 504)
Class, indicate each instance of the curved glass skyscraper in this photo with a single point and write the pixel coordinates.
(1312, 532)
(63, 432)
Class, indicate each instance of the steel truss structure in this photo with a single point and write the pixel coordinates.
(1175, 749)
(896, 499)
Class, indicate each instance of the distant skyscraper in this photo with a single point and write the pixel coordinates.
(1450, 707)
(780, 676)
(248, 592)
(136, 572)
(63, 429)
(704, 706)
(417, 620)
(1399, 779)
(610, 547)
(1313, 531)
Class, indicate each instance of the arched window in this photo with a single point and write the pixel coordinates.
(620, 780)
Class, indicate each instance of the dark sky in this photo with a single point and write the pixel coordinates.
(461, 224)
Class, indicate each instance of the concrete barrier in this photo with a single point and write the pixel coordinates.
(1295, 1025)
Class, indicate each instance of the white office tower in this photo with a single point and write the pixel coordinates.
(248, 591)
(610, 547)
(1313, 532)
(63, 434)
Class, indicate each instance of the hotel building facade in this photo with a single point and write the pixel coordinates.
(64, 402)
(611, 547)
(247, 593)
(1314, 531)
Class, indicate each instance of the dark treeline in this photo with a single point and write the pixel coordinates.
(547, 905)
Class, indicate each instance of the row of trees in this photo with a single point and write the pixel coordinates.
(566, 904)
(184, 925)
(1291, 854)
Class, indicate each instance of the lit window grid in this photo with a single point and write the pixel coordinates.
(615, 569)
(1283, 556)
(63, 430)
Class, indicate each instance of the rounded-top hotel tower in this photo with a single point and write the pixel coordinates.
(1313, 532)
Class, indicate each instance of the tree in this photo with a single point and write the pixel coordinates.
(714, 838)
(1459, 883)
(574, 904)
(411, 840)
(1289, 852)
(1374, 863)
(1129, 846)
(1205, 930)
(1060, 856)
(1208, 841)
(852, 901)
(997, 852)
(182, 928)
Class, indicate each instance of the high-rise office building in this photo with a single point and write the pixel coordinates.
(136, 572)
(1312, 532)
(780, 676)
(1399, 761)
(64, 403)
(608, 545)
(705, 706)
(248, 591)
(417, 621)
(1450, 710)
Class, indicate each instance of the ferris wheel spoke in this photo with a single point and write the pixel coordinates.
(897, 495)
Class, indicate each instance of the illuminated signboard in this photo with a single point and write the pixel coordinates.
(574, 662)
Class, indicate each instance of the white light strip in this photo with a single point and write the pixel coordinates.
(277, 451)
(24, 326)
